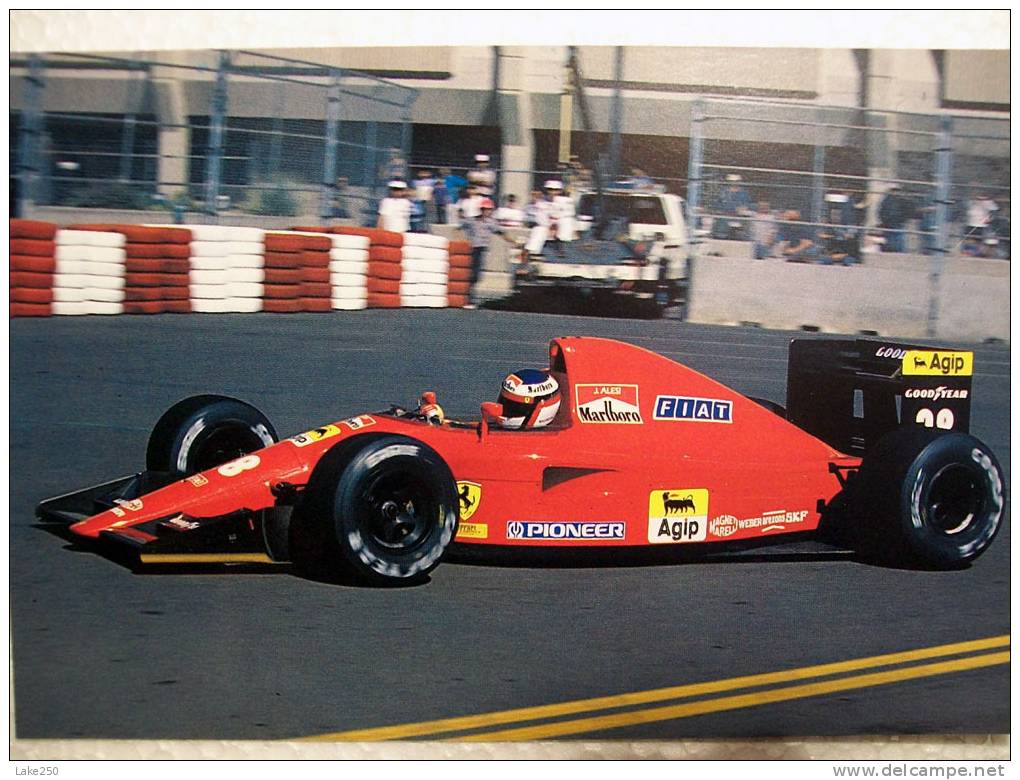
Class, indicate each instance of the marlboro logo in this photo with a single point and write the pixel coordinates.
(604, 403)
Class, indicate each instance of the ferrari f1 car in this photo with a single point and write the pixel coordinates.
(643, 452)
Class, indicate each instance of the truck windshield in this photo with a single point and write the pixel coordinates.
(639, 209)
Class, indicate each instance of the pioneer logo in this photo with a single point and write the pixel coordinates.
(608, 403)
(517, 529)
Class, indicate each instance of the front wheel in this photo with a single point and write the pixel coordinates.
(384, 509)
(204, 431)
(937, 498)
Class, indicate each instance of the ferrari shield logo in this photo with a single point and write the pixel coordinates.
(470, 494)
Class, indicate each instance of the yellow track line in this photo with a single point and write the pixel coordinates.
(464, 723)
(676, 711)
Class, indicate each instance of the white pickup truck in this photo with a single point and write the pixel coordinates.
(647, 260)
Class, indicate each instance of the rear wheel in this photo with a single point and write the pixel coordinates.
(383, 508)
(204, 431)
(936, 498)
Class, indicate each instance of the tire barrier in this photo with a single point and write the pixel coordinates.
(32, 267)
(154, 266)
(159, 268)
(425, 268)
(90, 272)
(225, 269)
(459, 285)
(348, 271)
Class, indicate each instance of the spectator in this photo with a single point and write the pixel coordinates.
(454, 188)
(482, 176)
(733, 201)
(563, 214)
(480, 229)
(796, 244)
(641, 180)
(395, 209)
(509, 215)
(339, 205)
(980, 209)
(838, 235)
(763, 231)
(395, 167)
(539, 217)
(424, 186)
(531, 211)
(893, 213)
(440, 198)
(470, 204)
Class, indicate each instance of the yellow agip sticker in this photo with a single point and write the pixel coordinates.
(919, 362)
(677, 516)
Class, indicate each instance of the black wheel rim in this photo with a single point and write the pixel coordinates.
(397, 510)
(223, 445)
(956, 499)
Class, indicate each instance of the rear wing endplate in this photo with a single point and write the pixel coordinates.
(849, 393)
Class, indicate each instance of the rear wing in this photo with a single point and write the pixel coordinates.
(851, 393)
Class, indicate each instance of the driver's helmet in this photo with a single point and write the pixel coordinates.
(530, 399)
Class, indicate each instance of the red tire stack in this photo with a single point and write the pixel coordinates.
(156, 268)
(33, 261)
(283, 267)
(316, 290)
(459, 285)
(385, 265)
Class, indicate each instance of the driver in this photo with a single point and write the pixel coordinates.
(530, 399)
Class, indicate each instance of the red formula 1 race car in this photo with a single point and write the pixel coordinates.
(643, 452)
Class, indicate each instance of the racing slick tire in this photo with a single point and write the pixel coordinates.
(204, 431)
(381, 508)
(935, 498)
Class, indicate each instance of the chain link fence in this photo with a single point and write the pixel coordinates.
(223, 134)
(850, 181)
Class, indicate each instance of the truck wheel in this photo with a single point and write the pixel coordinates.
(382, 508)
(203, 431)
(937, 498)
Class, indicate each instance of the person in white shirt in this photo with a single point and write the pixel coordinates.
(395, 209)
(508, 215)
(482, 176)
(563, 213)
(470, 204)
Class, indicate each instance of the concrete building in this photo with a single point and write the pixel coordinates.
(506, 101)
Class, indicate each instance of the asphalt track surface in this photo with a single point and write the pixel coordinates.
(104, 653)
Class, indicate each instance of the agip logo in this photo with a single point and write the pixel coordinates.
(677, 516)
(917, 362)
(606, 403)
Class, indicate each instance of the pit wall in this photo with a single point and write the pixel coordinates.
(100, 268)
(889, 295)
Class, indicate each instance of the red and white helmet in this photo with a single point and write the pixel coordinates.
(530, 399)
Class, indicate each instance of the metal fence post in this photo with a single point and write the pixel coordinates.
(818, 184)
(29, 164)
(694, 175)
(943, 174)
(217, 120)
(616, 115)
(329, 182)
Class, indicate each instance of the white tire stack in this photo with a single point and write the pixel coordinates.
(226, 273)
(89, 275)
(425, 269)
(348, 271)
